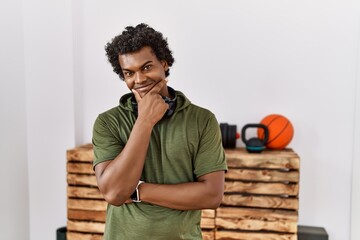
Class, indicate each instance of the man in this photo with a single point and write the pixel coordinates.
(158, 157)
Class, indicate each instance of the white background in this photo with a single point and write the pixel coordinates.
(241, 59)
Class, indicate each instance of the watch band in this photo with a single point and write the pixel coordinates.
(135, 197)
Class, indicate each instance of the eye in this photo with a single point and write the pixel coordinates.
(147, 67)
(128, 74)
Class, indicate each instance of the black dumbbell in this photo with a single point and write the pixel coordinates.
(229, 135)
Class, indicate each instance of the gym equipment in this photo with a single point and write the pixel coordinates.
(255, 145)
(281, 131)
(312, 233)
(228, 135)
(61, 233)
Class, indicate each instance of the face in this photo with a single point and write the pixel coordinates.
(142, 70)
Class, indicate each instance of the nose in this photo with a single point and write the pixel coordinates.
(139, 77)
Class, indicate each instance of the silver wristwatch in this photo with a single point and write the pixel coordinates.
(135, 197)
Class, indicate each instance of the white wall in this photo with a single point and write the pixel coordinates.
(14, 200)
(48, 45)
(241, 59)
(355, 199)
(244, 60)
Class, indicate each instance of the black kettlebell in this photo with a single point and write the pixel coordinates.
(255, 145)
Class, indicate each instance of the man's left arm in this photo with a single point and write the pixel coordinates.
(206, 193)
(209, 167)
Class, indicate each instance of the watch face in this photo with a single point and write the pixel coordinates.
(134, 196)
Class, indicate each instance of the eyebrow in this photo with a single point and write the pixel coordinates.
(142, 66)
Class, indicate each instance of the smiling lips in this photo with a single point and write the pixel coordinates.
(145, 87)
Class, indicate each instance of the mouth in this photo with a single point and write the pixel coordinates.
(144, 88)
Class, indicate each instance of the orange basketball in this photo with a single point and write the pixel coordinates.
(281, 131)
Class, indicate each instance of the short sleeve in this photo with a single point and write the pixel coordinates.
(106, 144)
(210, 156)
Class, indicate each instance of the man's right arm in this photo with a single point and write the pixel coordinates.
(118, 178)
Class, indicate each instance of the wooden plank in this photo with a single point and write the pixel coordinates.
(84, 204)
(82, 180)
(95, 227)
(239, 158)
(83, 236)
(261, 188)
(232, 235)
(263, 175)
(256, 225)
(288, 152)
(277, 159)
(86, 227)
(261, 201)
(87, 215)
(75, 167)
(83, 153)
(256, 213)
(207, 223)
(84, 192)
(76, 215)
(208, 235)
(208, 213)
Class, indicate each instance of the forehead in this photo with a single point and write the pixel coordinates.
(137, 59)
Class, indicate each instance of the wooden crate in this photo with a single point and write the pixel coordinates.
(261, 196)
(86, 207)
(260, 201)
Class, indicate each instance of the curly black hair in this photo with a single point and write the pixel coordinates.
(133, 39)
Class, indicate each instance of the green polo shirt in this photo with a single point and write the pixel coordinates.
(182, 148)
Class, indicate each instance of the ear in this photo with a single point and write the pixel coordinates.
(165, 65)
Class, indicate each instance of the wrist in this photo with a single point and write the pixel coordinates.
(144, 124)
(135, 197)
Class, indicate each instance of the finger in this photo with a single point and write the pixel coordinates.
(137, 95)
(158, 87)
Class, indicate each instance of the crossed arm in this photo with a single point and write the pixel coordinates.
(117, 179)
(206, 193)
